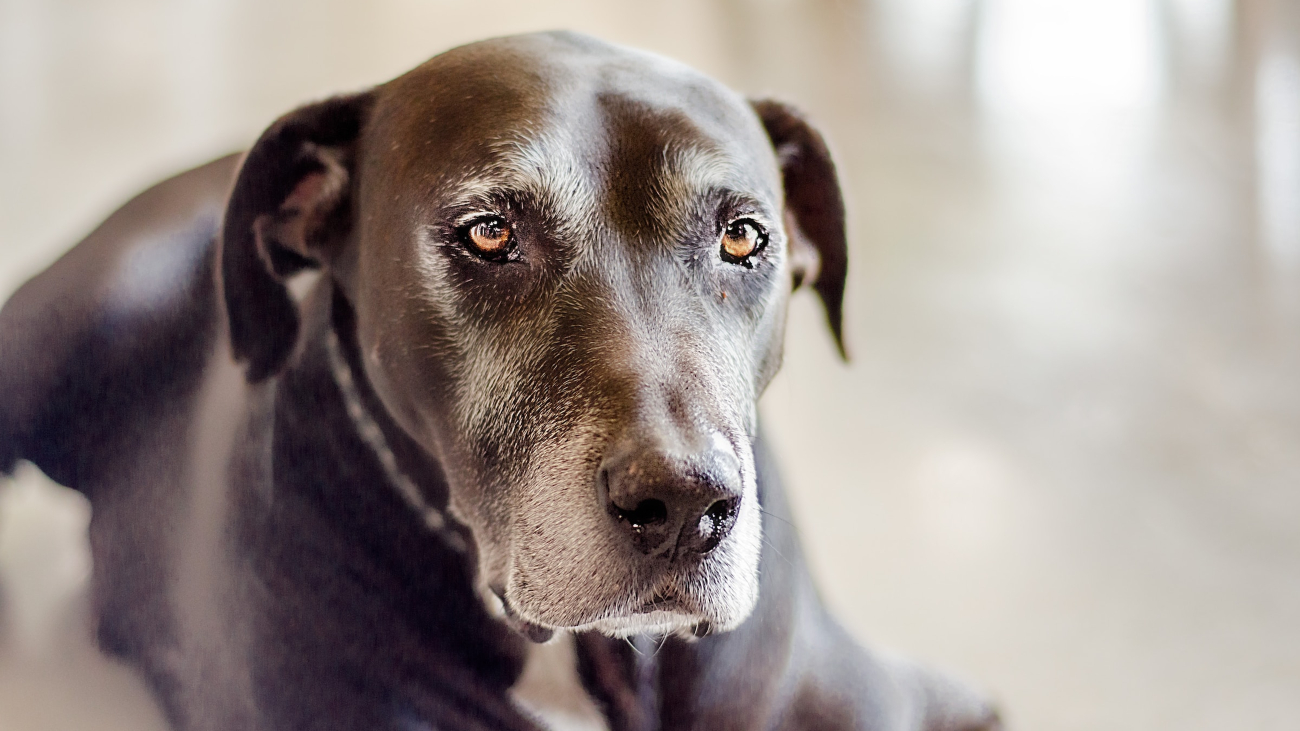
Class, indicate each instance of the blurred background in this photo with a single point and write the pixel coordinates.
(1065, 459)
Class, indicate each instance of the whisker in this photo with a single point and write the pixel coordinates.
(632, 645)
(768, 542)
(663, 640)
(774, 515)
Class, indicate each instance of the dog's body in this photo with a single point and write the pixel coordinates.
(348, 508)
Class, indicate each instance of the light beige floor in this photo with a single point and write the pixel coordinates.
(1065, 460)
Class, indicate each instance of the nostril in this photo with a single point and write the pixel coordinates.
(721, 511)
(668, 504)
(646, 512)
(716, 522)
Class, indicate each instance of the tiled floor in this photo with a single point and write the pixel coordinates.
(1065, 460)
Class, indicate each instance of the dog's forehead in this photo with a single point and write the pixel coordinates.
(570, 115)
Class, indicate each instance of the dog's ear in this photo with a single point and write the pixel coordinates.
(290, 209)
(814, 208)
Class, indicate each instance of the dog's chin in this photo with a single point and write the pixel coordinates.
(660, 616)
(654, 623)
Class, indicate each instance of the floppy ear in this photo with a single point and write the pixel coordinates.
(290, 209)
(814, 208)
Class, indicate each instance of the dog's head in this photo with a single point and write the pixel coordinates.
(569, 264)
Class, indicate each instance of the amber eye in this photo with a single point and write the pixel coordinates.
(742, 239)
(490, 238)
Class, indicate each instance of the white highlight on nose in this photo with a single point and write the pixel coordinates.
(720, 443)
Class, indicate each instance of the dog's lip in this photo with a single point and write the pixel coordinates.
(663, 601)
(531, 630)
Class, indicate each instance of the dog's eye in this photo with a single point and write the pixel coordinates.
(490, 237)
(742, 239)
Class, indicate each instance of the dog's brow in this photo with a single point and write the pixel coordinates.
(692, 175)
(541, 171)
(548, 174)
(566, 217)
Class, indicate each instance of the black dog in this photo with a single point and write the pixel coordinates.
(517, 401)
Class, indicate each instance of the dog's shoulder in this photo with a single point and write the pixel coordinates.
(112, 327)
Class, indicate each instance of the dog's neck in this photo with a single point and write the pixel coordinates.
(356, 516)
(369, 430)
(408, 471)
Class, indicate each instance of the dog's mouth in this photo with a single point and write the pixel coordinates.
(663, 602)
(664, 611)
(580, 575)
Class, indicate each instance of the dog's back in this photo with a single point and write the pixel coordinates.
(103, 355)
(110, 331)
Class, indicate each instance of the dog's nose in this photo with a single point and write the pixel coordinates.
(670, 504)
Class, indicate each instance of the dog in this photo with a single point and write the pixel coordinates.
(437, 410)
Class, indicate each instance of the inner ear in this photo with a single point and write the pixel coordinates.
(290, 209)
(303, 231)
